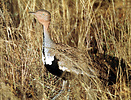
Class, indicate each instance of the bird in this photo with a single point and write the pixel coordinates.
(56, 57)
(68, 62)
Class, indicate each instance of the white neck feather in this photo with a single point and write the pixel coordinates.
(47, 45)
(47, 39)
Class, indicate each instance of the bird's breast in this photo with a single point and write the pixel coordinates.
(48, 58)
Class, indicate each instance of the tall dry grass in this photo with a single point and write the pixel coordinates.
(105, 25)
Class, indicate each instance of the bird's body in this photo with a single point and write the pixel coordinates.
(60, 59)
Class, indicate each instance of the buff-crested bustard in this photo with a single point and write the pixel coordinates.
(66, 62)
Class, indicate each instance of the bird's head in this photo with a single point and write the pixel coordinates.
(43, 16)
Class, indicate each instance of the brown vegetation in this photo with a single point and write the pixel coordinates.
(104, 25)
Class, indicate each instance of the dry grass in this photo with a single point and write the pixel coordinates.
(73, 22)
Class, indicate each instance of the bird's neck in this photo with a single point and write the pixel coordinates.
(47, 45)
(47, 41)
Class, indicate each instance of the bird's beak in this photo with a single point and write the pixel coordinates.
(32, 13)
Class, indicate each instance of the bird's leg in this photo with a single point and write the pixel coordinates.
(62, 90)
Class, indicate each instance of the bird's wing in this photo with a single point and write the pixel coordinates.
(74, 60)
